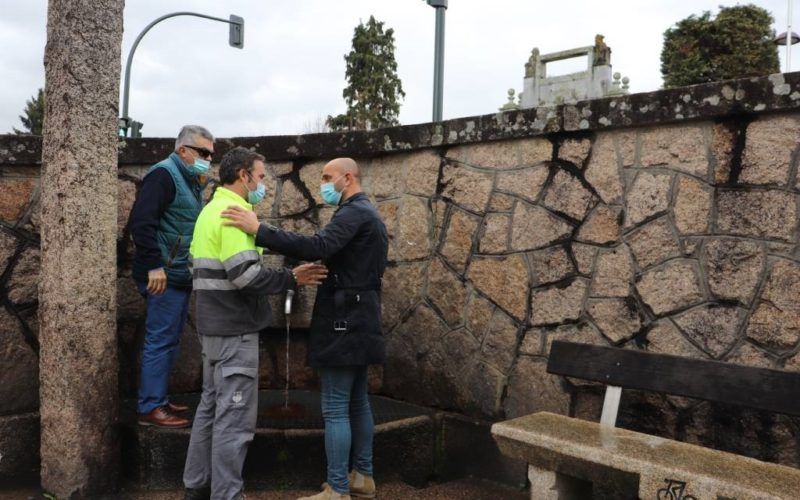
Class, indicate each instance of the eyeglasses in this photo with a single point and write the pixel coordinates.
(205, 153)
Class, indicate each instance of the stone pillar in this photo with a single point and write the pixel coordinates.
(77, 291)
(544, 484)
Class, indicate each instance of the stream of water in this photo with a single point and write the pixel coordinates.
(286, 387)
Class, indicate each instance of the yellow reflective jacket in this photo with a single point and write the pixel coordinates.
(228, 275)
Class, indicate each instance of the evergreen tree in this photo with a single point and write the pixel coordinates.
(373, 88)
(737, 43)
(34, 115)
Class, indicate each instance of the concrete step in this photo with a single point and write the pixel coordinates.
(288, 451)
(415, 447)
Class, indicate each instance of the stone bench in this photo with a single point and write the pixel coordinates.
(577, 459)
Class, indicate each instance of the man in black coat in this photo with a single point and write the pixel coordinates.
(345, 335)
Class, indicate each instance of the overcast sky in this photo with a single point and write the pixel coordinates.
(290, 74)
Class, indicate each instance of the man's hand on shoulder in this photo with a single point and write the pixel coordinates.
(241, 218)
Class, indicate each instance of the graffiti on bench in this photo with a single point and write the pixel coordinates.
(673, 491)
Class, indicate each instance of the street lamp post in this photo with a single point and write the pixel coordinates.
(235, 39)
(438, 58)
(789, 35)
(788, 38)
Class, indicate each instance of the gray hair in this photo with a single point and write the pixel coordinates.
(189, 133)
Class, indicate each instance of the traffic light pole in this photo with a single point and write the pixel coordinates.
(235, 39)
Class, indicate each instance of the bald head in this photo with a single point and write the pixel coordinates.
(344, 166)
(345, 176)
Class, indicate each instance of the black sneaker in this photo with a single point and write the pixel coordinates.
(198, 493)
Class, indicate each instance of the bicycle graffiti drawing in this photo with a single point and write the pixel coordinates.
(673, 491)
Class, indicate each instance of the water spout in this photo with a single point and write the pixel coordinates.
(287, 310)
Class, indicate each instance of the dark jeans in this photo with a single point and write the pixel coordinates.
(166, 315)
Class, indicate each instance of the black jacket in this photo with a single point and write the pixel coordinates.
(346, 322)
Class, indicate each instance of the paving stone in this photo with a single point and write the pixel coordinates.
(654, 243)
(603, 171)
(19, 368)
(758, 214)
(575, 151)
(618, 319)
(613, 273)
(749, 355)
(582, 332)
(663, 337)
(311, 177)
(734, 268)
(413, 229)
(602, 226)
(692, 206)
(723, 142)
(550, 265)
(775, 323)
(504, 280)
(479, 316)
(769, 144)
(711, 326)
(422, 172)
(531, 389)
(584, 257)
(567, 195)
(458, 238)
(499, 345)
(446, 292)
(671, 287)
(679, 147)
(648, 196)
(292, 200)
(526, 184)
(406, 290)
(534, 227)
(501, 202)
(23, 286)
(558, 304)
(469, 188)
(496, 228)
(15, 195)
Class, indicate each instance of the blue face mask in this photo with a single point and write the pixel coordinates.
(329, 193)
(255, 197)
(199, 167)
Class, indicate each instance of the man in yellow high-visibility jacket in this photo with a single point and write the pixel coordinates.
(231, 285)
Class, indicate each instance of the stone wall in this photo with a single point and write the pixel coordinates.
(665, 221)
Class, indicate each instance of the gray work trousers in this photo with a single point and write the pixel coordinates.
(226, 417)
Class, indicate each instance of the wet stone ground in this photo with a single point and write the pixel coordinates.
(472, 489)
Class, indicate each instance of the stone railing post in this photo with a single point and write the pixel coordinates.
(77, 290)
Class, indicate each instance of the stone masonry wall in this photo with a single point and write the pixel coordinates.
(665, 221)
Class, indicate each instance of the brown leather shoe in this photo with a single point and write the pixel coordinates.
(175, 408)
(160, 417)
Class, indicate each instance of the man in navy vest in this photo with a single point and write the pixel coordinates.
(162, 222)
